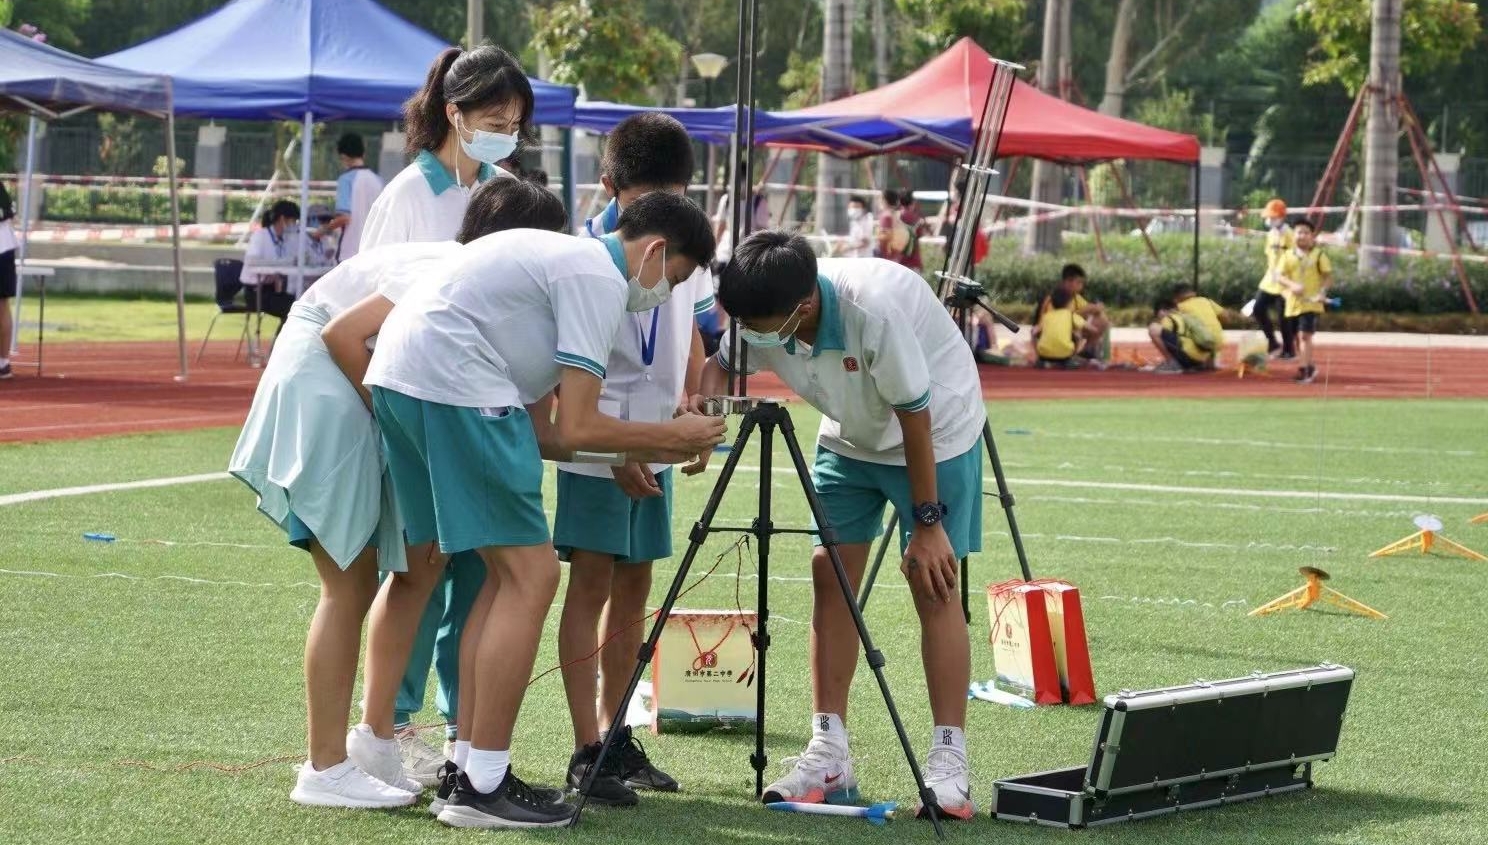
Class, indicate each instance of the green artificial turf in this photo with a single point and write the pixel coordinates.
(127, 663)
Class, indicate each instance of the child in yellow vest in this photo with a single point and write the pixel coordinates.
(1187, 332)
(1306, 273)
(1280, 239)
(1059, 332)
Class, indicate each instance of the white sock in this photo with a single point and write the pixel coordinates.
(462, 753)
(487, 769)
(829, 726)
(945, 736)
(4, 361)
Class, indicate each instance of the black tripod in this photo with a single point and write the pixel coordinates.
(766, 417)
(961, 301)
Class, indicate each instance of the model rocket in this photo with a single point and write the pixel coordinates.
(876, 814)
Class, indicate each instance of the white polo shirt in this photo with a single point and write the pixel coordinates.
(356, 190)
(422, 203)
(884, 341)
(634, 389)
(388, 270)
(501, 322)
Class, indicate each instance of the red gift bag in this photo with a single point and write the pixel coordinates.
(1038, 641)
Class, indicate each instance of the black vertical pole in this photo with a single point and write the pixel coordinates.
(743, 69)
(1196, 173)
(764, 526)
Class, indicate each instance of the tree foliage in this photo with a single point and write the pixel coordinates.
(605, 48)
(930, 26)
(1434, 36)
(58, 20)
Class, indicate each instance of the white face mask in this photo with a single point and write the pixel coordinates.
(640, 298)
(771, 340)
(854, 213)
(483, 146)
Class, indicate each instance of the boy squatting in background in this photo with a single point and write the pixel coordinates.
(1060, 332)
(855, 337)
(457, 365)
(612, 522)
(1186, 331)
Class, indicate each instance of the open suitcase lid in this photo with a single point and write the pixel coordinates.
(1205, 730)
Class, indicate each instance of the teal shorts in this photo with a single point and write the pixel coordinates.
(466, 477)
(300, 535)
(853, 494)
(595, 515)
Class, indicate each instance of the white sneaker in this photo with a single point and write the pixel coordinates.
(821, 775)
(379, 758)
(947, 773)
(421, 761)
(345, 785)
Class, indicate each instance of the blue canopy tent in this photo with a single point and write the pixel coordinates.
(47, 84)
(304, 60)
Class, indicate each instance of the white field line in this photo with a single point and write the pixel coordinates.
(60, 492)
(1261, 444)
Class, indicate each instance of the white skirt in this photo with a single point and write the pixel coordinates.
(312, 449)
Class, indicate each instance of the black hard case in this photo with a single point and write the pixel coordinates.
(1185, 748)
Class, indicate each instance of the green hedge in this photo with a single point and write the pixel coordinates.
(1229, 270)
(128, 206)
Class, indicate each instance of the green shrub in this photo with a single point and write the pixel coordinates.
(1229, 270)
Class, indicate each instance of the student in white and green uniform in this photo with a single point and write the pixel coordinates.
(613, 522)
(457, 366)
(473, 107)
(311, 451)
(866, 342)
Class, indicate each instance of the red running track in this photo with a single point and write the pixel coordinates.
(93, 389)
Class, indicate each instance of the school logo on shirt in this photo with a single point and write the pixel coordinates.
(850, 364)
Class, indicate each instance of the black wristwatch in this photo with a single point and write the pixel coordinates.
(929, 513)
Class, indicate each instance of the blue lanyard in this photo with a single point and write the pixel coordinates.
(648, 348)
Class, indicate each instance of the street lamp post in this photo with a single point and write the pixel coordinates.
(709, 66)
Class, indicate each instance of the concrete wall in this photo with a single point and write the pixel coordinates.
(128, 268)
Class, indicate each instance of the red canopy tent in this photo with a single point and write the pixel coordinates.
(952, 87)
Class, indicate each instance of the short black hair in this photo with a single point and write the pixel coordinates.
(351, 146)
(650, 149)
(511, 203)
(678, 219)
(1163, 303)
(858, 200)
(282, 208)
(906, 197)
(1182, 289)
(769, 273)
(1060, 298)
(537, 175)
(890, 197)
(1303, 221)
(1071, 271)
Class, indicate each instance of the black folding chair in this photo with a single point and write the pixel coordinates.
(227, 273)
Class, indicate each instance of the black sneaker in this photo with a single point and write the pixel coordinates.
(512, 804)
(1305, 375)
(5, 372)
(636, 768)
(448, 776)
(608, 789)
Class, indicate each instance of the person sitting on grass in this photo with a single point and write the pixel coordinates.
(1186, 330)
(1097, 330)
(1060, 337)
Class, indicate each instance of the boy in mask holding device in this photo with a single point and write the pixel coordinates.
(613, 522)
(458, 364)
(859, 338)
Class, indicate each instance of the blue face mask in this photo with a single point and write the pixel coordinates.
(771, 340)
(483, 146)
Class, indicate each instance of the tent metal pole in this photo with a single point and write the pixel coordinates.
(1196, 226)
(570, 190)
(25, 192)
(305, 143)
(175, 203)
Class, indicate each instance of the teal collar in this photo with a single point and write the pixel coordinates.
(829, 325)
(617, 252)
(440, 179)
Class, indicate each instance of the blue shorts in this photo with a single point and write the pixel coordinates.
(595, 515)
(300, 535)
(467, 477)
(853, 494)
